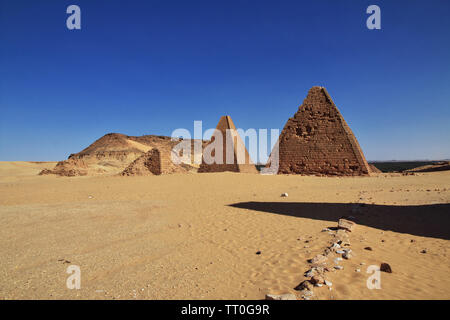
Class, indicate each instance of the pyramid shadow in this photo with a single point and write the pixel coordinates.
(420, 220)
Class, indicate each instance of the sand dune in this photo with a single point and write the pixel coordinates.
(196, 236)
(11, 170)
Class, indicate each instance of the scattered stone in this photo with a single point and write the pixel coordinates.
(358, 270)
(342, 236)
(305, 285)
(317, 279)
(345, 244)
(362, 263)
(310, 273)
(338, 267)
(326, 230)
(412, 240)
(258, 252)
(347, 255)
(340, 251)
(368, 248)
(284, 195)
(423, 251)
(328, 283)
(319, 259)
(64, 261)
(307, 295)
(385, 268)
(286, 296)
(322, 270)
(346, 225)
(335, 246)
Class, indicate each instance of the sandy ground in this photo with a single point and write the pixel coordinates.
(195, 236)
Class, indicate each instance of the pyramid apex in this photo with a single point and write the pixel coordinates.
(317, 88)
(225, 117)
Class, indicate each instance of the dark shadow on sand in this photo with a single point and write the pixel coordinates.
(420, 220)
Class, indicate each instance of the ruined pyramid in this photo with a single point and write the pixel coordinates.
(114, 152)
(318, 141)
(155, 162)
(237, 160)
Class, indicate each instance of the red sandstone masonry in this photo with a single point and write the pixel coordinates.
(317, 140)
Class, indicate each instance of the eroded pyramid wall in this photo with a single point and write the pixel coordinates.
(317, 140)
(155, 162)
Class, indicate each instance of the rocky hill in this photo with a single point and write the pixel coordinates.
(438, 166)
(113, 153)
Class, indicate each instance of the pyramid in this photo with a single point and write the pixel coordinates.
(318, 141)
(240, 159)
(154, 162)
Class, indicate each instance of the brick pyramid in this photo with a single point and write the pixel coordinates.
(240, 159)
(317, 140)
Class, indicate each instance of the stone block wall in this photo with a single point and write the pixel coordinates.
(317, 140)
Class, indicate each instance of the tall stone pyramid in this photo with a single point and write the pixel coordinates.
(317, 140)
(231, 141)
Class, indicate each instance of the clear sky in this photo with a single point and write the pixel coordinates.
(149, 67)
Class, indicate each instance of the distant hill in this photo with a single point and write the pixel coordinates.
(400, 166)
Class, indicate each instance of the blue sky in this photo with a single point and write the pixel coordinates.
(149, 67)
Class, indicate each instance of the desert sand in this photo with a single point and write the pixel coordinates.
(195, 236)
